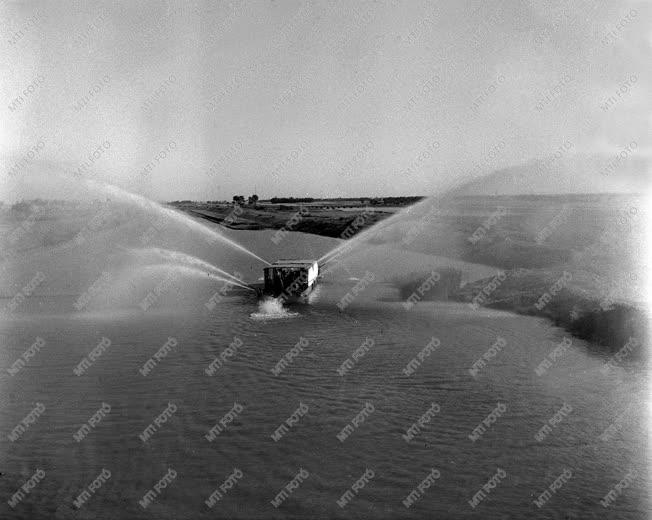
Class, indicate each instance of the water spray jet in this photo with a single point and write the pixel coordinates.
(183, 258)
(331, 255)
(178, 217)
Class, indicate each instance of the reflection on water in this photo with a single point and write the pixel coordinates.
(277, 366)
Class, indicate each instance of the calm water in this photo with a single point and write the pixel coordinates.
(267, 400)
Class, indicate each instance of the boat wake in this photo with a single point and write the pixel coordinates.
(272, 309)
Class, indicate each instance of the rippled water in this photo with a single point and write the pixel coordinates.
(247, 378)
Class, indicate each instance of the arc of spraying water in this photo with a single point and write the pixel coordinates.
(200, 273)
(332, 254)
(448, 190)
(168, 212)
(184, 258)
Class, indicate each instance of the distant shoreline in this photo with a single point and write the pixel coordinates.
(607, 325)
(327, 220)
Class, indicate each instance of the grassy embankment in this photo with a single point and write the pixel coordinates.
(596, 250)
(326, 221)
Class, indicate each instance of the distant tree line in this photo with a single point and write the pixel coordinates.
(395, 201)
(240, 200)
(386, 201)
(285, 200)
(252, 200)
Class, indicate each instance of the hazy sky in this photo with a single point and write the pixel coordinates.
(208, 99)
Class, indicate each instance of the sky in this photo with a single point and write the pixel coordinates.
(205, 100)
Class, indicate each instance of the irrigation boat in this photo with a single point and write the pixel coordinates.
(291, 279)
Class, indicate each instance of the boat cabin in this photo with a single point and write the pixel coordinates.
(290, 277)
